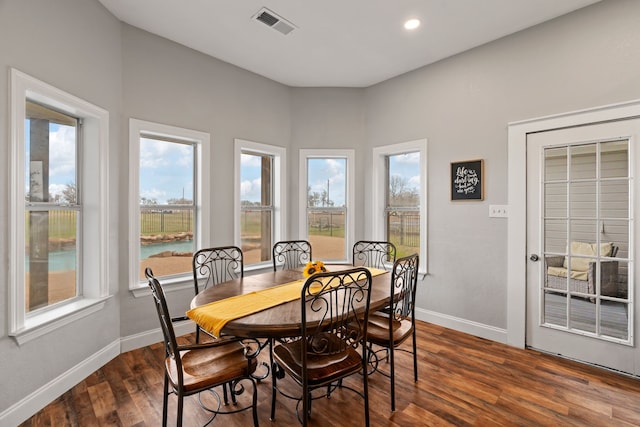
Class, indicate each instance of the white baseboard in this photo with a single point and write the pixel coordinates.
(153, 336)
(468, 327)
(27, 407)
(31, 404)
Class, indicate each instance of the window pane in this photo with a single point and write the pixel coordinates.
(256, 205)
(50, 258)
(327, 182)
(326, 195)
(167, 209)
(555, 164)
(403, 202)
(614, 159)
(326, 234)
(403, 230)
(50, 234)
(588, 249)
(404, 180)
(583, 161)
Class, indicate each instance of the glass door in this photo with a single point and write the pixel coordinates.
(580, 238)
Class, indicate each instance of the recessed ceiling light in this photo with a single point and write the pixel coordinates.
(412, 24)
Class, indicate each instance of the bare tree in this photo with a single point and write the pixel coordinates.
(147, 202)
(313, 198)
(180, 201)
(400, 194)
(69, 194)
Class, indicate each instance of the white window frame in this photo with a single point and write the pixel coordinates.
(379, 190)
(349, 155)
(140, 128)
(279, 192)
(93, 286)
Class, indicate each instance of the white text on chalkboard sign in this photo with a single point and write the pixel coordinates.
(466, 180)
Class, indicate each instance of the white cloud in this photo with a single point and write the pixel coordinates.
(55, 189)
(251, 160)
(250, 190)
(155, 194)
(158, 154)
(331, 171)
(62, 155)
(412, 158)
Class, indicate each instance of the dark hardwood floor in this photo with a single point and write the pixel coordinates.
(463, 381)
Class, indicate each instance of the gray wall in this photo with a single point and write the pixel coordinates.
(165, 82)
(326, 118)
(73, 45)
(461, 105)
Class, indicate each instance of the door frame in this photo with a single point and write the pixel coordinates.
(517, 199)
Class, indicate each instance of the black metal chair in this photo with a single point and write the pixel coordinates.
(390, 329)
(193, 368)
(376, 254)
(212, 266)
(327, 351)
(291, 254)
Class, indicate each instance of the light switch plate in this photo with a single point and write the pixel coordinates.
(498, 211)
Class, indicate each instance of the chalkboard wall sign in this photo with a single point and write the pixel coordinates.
(467, 180)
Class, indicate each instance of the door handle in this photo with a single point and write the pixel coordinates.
(534, 257)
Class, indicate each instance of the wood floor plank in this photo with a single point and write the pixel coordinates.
(463, 381)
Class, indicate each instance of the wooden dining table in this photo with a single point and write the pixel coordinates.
(283, 320)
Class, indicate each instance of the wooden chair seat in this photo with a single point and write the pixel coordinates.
(378, 330)
(209, 367)
(341, 364)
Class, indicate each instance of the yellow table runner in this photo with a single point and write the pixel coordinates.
(213, 316)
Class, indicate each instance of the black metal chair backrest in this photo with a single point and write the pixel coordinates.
(170, 342)
(376, 254)
(217, 265)
(404, 279)
(341, 300)
(291, 254)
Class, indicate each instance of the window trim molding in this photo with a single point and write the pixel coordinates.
(348, 154)
(94, 271)
(378, 192)
(203, 199)
(279, 190)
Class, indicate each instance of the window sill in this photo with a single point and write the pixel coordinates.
(45, 323)
(258, 267)
(169, 285)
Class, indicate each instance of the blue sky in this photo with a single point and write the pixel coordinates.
(406, 166)
(250, 182)
(166, 170)
(328, 175)
(62, 155)
(331, 170)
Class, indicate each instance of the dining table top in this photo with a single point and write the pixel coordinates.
(283, 320)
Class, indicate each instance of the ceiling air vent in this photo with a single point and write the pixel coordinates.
(274, 21)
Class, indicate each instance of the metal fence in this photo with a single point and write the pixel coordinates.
(404, 228)
(326, 222)
(159, 221)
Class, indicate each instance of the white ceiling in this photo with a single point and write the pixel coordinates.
(341, 43)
